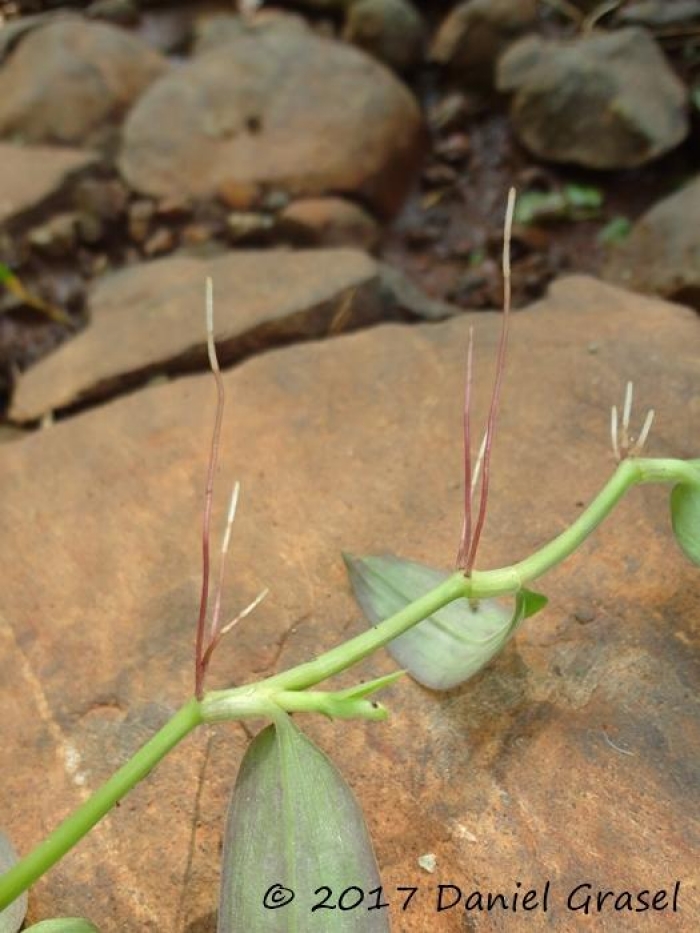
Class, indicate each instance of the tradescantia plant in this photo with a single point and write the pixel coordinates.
(292, 818)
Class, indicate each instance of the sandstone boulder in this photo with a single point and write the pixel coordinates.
(280, 109)
(662, 253)
(68, 81)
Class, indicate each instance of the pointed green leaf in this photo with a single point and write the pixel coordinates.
(294, 826)
(12, 917)
(454, 643)
(63, 925)
(685, 516)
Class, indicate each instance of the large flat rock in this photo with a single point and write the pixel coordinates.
(147, 320)
(29, 174)
(572, 758)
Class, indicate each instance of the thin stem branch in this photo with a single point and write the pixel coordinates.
(200, 665)
(495, 396)
(467, 521)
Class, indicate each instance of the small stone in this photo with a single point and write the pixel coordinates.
(161, 241)
(239, 195)
(454, 149)
(119, 12)
(173, 207)
(275, 200)
(141, 214)
(57, 237)
(585, 614)
(91, 228)
(329, 222)
(248, 225)
(474, 33)
(105, 199)
(607, 100)
(439, 175)
(449, 113)
(198, 233)
(428, 862)
(391, 30)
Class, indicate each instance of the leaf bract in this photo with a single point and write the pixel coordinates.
(294, 825)
(455, 642)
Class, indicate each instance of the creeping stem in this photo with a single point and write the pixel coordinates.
(81, 821)
(504, 581)
(268, 696)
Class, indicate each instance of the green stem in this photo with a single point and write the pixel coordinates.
(502, 582)
(259, 699)
(74, 827)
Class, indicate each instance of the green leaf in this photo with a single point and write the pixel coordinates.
(294, 826)
(539, 206)
(572, 202)
(615, 231)
(454, 643)
(12, 917)
(583, 196)
(63, 925)
(685, 516)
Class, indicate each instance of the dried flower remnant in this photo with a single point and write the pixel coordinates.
(469, 543)
(623, 444)
(205, 645)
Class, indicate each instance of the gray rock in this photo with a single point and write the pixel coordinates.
(662, 253)
(659, 12)
(69, 80)
(266, 109)
(391, 30)
(215, 30)
(605, 101)
(474, 33)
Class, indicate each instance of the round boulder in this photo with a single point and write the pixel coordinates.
(391, 30)
(278, 109)
(605, 101)
(69, 80)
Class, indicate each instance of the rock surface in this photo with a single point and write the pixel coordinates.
(147, 320)
(573, 757)
(391, 30)
(66, 82)
(264, 109)
(30, 174)
(474, 33)
(217, 29)
(605, 101)
(662, 253)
